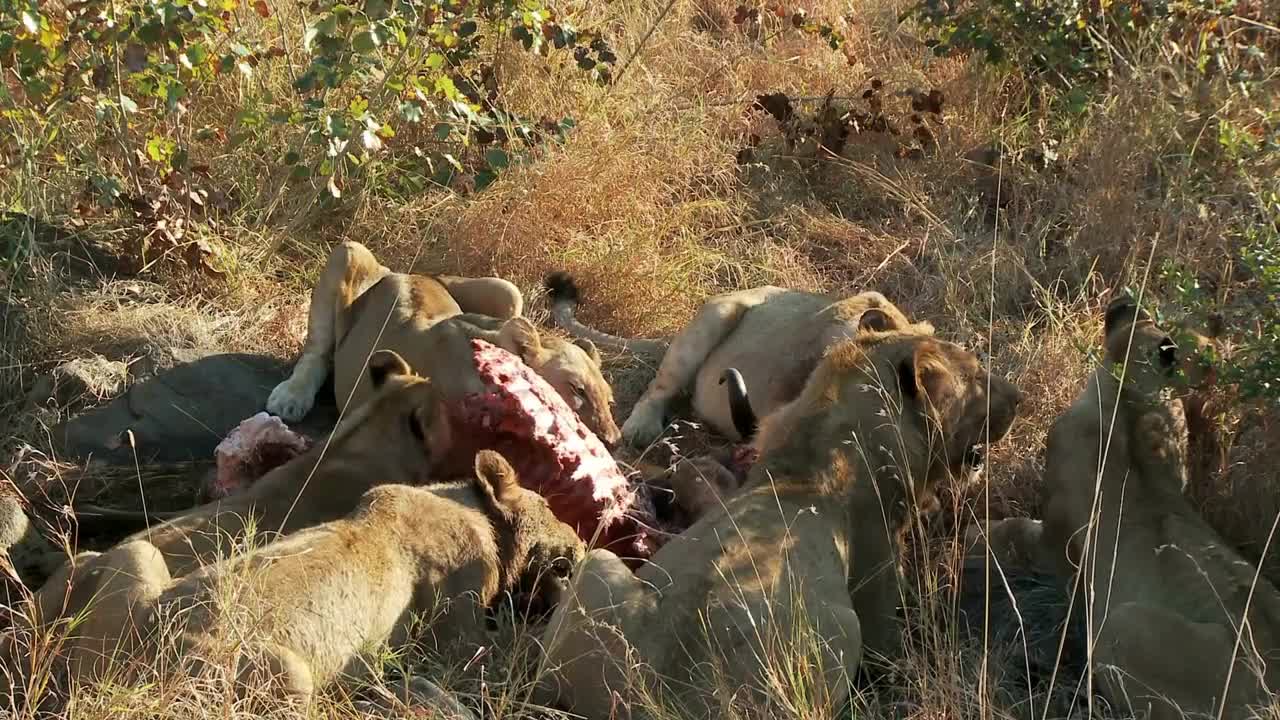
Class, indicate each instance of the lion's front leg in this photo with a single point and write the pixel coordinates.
(351, 270)
(843, 647)
(591, 666)
(874, 586)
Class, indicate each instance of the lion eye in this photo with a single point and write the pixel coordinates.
(579, 397)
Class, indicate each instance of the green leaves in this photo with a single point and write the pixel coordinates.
(160, 149)
(364, 73)
(497, 158)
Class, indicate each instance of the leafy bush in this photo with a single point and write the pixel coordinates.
(1084, 40)
(359, 73)
(1253, 317)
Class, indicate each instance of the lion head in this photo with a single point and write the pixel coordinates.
(541, 550)
(572, 367)
(1153, 363)
(404, 419)
(926, 402)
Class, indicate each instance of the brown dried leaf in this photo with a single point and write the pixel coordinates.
(260, 7)
(930, 103)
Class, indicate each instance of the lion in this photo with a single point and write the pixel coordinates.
(324, 601)
(798, 565)
(359, 306)
(397, 437)
(773, 336)
(1164, 596)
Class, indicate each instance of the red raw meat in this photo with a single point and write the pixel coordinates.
(552, 451)
(252, 449)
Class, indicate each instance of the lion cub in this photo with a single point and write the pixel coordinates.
(1163, 594)
(313, 608)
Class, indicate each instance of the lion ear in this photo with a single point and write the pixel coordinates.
(519, 336)
(495, 477)
(591, 350)
(384, 364)
(875, 320)
(925, 377)
(1122, 310)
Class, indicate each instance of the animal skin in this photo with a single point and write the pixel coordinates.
(325, 601)
(359, 306)
(800, 563)
(773, 337)
(1163, 593)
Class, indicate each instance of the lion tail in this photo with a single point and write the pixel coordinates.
(564, 296)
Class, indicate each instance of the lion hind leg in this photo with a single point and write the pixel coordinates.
(590, 662)
(491, 296)
(32, 642)
(715, 320)
(117, 621)
(284, 672)
(1151, 656)
(350, 271)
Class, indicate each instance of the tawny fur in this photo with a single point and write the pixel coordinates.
(773, 336)
(359, 306)
(318, 606)
(1164, 594)
(811, 543)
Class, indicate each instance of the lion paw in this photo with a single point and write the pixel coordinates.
(290, 401)
(643, 426)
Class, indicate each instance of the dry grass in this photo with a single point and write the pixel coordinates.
(648, 207)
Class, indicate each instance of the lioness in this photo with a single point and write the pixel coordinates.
(359, 306)
(754, 592)
(773, 336)
(1164, 595)
(322, 602)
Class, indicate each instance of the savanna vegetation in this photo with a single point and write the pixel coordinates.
(174, 172)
